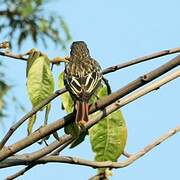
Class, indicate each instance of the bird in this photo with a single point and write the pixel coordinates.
(82, 77)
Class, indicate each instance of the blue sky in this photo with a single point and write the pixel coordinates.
(115, 31)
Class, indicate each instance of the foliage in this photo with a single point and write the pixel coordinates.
(67, 101)
(24, 19)
(108, 137)
(28, 18)
(40, 82)
(3, 90)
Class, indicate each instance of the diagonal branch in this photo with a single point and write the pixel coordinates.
(8, 151)
(141, 81)
(29, 114)
(131, 158)
(141, 59)
(97, 105)
(42, 132)
(30, 166)
(22, 160)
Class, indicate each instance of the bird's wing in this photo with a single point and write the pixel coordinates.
(83, 87)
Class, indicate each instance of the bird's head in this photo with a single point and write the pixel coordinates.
(79, 49)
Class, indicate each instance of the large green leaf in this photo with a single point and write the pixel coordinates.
(33, 55)
(40, 82)
(108, 137)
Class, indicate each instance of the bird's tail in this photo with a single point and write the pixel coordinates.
(82, 110)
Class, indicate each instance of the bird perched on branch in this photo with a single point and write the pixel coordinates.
(82, 77)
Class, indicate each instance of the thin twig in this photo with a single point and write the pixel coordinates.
(12, 55)
(57, 60)
(126, 154)
(141, 59)
(21, 172)
(58, 150)
(23, 160)
(133, 96)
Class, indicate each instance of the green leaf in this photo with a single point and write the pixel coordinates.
(31, 122)
(40, 82)
(72, 129)
(23, 35)
(108, 137)
(48, 108)
(67, 101)
(34, 54)
(79, 140)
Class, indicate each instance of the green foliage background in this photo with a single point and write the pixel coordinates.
(24, 19)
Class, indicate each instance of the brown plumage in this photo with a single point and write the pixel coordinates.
(82, 76)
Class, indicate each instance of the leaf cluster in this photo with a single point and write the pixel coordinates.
(27, 18)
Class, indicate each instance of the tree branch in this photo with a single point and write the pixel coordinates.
(23, 160)
(100, 104)
(141, 59)
(12, 55)
(148, 89)
(29, 114)
(10, 150)
(141, 81)
(21, 172)
(126, 154)
(42, 132)
(57, 60)
(30, 166)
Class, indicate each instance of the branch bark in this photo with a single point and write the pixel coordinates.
(141, 59)
(23, 160)
(29, 114)
(10, 150)
(30, 166)
(99, 104)
(140, 93)
(141, 81)
(107, 70)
